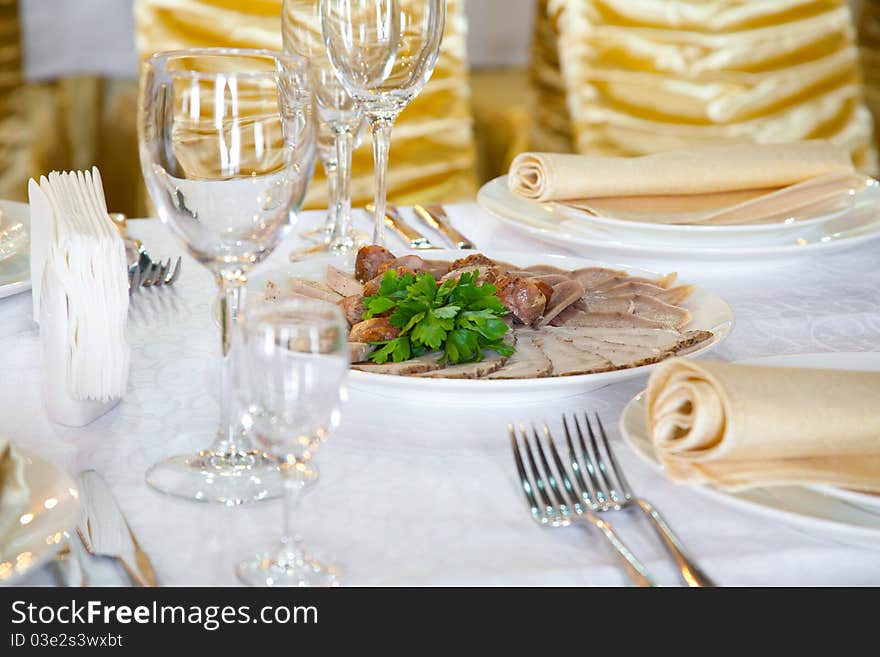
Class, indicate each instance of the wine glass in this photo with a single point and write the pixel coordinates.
(293, 363)
(339, 118)
(227, 148)
(383, 52)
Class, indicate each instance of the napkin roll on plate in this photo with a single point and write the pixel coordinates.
(80, 296)
(14, 494)
(713, 185)
(742, 426)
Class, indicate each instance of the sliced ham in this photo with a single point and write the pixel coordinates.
(425, 363)
(491, 363)
(575, 317)
(638, 304)
(564, 295)
(342, 283)
(314, 289)
(527, 362)
(674, 295)
(568, 360)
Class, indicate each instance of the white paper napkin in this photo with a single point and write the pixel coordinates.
(77, 255)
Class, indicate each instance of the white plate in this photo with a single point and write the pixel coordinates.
(822, 508)
(710, 312)
(15, 271)
(49, 521)
(544, 221)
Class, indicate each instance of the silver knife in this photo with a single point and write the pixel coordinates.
(435, 216)
(105, 532)
(393, 220)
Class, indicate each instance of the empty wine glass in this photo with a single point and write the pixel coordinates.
(339, 118)
(292, 364)
(384, 52)
(227, 150)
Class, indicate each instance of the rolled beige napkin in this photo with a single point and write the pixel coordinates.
(14, 493)
(723, 185)
(742, 426)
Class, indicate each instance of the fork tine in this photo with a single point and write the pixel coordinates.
(175, 273)
(598, 487)
(135, 280)
(558, 497)
(570, 493)
(526, 484)
(616, 470)
(536, 473)
(601, 473)
(163, 273)
(587, 492)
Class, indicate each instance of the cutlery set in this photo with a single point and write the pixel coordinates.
(143, 271)
(103, 533)
(587, 483)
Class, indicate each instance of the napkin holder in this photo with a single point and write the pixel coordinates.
(61, 407)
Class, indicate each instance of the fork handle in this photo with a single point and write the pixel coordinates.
(634, 568)
(692, 574)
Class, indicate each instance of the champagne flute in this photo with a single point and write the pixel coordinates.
(383, 52)
(339, 118)
(227, 150)
(294, 360)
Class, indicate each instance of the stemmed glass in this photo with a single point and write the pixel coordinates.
(339, 118)
(227, 150)
(294, 360)
(383, 52)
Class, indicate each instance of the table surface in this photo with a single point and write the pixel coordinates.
(416, 495)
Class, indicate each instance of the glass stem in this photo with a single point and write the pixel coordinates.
(331, 171)
(230, 437)
(380, 126)
(342, 240)
(294, 485)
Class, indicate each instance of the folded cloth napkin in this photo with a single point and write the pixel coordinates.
(713, 185)
(14, 494)
(742, 426)
(78, 259)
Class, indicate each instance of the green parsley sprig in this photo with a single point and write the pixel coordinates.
(459, 317)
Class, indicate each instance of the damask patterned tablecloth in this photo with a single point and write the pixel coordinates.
(416, 495)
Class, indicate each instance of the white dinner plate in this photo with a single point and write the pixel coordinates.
(823, 508)
(710, 312)
(49, 521)
(15, 271)
(692, 243)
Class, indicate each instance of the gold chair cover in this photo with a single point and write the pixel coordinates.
(432, 156)
(651, 75)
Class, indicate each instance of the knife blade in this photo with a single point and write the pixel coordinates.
(105, 532)
(394, 221)
(435, 217)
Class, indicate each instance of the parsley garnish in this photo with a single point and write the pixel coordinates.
(459, 317)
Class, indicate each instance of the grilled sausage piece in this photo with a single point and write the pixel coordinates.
(353, 308)
(522, 297)
(375, 329)
(368, 261)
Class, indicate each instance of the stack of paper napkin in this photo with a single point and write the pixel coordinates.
(80, 291)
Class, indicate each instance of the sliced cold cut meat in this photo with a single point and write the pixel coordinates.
(564, 295)
(425, 363)
(342, 283)
(314, 290)
(375, 329)
(638, 304)
(527, 362)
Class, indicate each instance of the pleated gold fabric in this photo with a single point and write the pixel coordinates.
(869, 46)
(432, 154)
(643, 76)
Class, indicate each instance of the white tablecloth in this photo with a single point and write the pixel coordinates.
(417, 495)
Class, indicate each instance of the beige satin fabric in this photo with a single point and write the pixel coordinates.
(653, 75)
(432, 154)
(738, 426)
(14, 493)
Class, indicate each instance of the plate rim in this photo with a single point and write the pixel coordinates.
(735, 499)
(721, 332)
(865, 232)
(66, 481)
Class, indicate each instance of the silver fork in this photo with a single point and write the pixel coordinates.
(614, 493)
(566, 505)
(144, 272)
